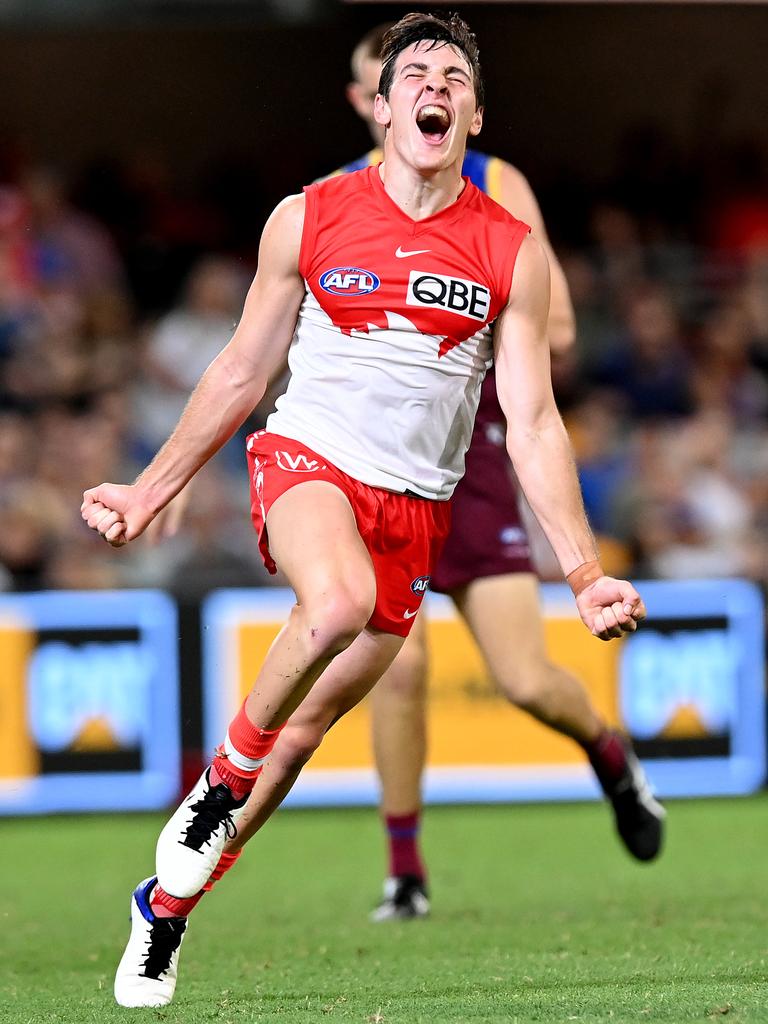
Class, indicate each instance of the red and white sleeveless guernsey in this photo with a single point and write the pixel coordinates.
(393, 338)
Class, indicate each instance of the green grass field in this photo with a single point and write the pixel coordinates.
(538, 916)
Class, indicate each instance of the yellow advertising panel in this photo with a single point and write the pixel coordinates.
(469, 721)
(19, 757)
(688, 688)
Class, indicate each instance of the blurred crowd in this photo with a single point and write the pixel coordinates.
(113, 302)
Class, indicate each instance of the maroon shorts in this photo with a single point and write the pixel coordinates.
(487, 536)
(402, 534)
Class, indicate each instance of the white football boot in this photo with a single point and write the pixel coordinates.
(192, 842)
(146, 975)
(405, 898)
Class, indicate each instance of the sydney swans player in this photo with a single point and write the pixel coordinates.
(486, 568)
(352, 477)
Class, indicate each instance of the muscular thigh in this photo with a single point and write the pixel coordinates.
(314, 539)
(505, 618)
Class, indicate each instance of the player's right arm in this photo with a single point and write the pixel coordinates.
(226, 393)
(516, 196)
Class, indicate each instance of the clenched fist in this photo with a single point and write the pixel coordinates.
(118, 512)
(610, 608)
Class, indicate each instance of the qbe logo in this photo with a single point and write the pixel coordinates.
(349, 281)
(453, 294)
(420, 585)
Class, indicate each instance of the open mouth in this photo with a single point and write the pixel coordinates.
(433, 122)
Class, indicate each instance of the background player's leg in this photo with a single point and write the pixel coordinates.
(314, 539)
(505, 617)
(399, 725)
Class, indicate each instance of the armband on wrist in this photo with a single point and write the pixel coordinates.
(583, 576)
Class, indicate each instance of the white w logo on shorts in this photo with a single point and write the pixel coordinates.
(297, 463)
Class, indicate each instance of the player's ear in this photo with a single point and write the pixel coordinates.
(381, 113)
(477, 122)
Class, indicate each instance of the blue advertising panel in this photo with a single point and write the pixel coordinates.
(89, 691)
(688, 687)
(692, 687)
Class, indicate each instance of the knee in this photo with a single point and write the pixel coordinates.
(298, 743)
(335, 618)
(526, 686)
(406, 678)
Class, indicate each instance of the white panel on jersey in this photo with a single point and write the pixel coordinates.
(380, 404)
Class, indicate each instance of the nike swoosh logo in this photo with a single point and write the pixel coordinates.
(401, 253)
(410, 614)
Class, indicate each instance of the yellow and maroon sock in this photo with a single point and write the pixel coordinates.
(403, 839)
(608, 757)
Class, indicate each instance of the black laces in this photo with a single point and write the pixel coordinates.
(164, 939)
(210, 812)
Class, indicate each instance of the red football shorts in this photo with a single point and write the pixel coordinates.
(403, 534)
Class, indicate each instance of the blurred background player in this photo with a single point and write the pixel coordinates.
(487, 571)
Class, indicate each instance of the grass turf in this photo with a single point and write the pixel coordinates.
(538, 916)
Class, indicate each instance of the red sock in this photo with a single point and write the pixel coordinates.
(239, 760)
(403, 836)
(165, 905)
(607, 755)
(226, 861)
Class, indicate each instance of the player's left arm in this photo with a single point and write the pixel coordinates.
(540, 450)
(517, 196)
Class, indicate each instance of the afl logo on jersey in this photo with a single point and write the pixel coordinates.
(349, 281)
(420, 585)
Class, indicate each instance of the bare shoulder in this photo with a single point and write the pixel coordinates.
(532, 258)
(531, 278)
(288, 215)
(512, 177)
(518, 197)
(281, 239)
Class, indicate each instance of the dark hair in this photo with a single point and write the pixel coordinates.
(416, 28)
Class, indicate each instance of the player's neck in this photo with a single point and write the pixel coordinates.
(420, 195)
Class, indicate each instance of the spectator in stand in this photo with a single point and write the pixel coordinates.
(686, 512)
(70, 247)
(725, 378)
(184, 342)
(649, 369)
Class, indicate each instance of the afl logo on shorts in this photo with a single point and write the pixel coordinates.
(349, 281)
(420, 585)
